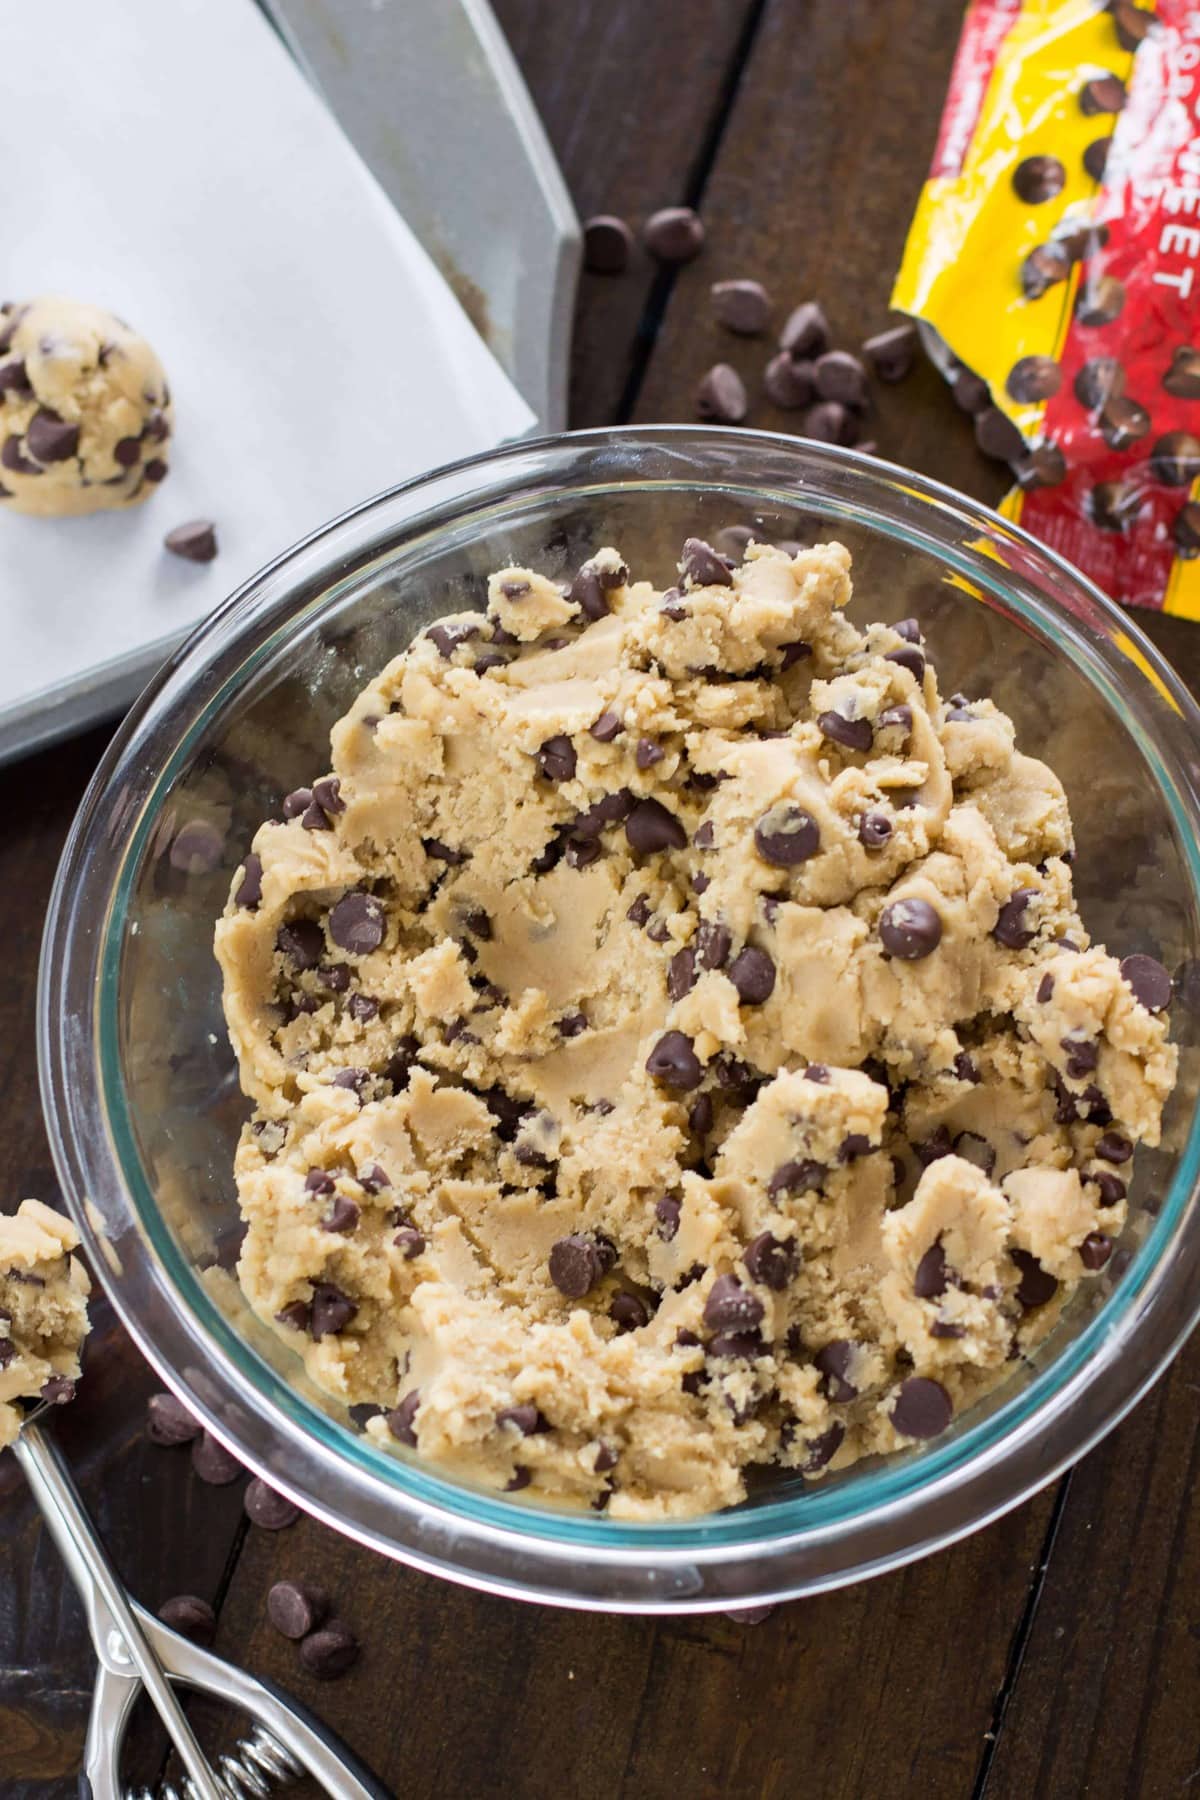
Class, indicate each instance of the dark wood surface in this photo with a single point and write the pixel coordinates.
(1058, 1652)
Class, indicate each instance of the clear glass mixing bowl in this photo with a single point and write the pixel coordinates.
(140, 1088)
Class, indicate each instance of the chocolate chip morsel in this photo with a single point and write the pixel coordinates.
(358, 924)
(969, 392)
(741, 306)
(168, 1421)
(675, 234)
(607, 244)
(1175, 458)
(1039, 178)
(213, 1463)
(910, 929)
(401, 1421)
(1033, 378)
(1037, 1287)
(1102, 94)
(701, 566)
(1010, 928)
(575, 1265)
(1095, 1250)
(268, 1509)
(732, 1307)
(1133, 22)
(772, 1261)
(650, 827)
(1182, 379)
(1150, 982)
(294, 1608)
(330, 1651)
(789, 384)
(1099, 380)
(752, 973)
(1185, 530)
(841, 377)
(1113, 505)
(997, 436)
(834, 1362)
(1123, 422)
(673, 1063)
(1099, 300)
(1043, 466)
(1095, 157)
(195, 542)
(721, 395)
(787, 836)
(922, 1409)
(806, 331)
(1044, 267)
(49, 438)
(891, 353)
(192, 1617)
(851, 734)
(830, 422)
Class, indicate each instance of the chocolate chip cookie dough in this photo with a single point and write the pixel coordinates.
(43, 1311)
(673, 1042)
(85, 414)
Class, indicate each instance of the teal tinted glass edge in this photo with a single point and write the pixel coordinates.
(822, 1506)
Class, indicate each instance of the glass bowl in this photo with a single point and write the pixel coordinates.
(140, 1087)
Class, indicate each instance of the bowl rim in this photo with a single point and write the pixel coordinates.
(929, 1497)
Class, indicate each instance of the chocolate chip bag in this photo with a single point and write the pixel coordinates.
(1055, 254)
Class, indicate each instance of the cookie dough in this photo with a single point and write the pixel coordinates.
(85, 412)
(673, 1043)
(43, 1311)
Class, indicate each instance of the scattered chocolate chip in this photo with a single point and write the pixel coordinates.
(700, 1115)
(575, 1265)
(295, 1609)
(1082, 1056)
(12, 457)
(896, 718)
(853, 734)
(721, 395)
(49, 438)
(830, 422)
(1123, 422)
(975, 1149)
(821, 1450)
(330, 1651)
(787, 836)
(191, 1617)
(741, 306)
(667, 1212)
(607, 244)
(648, 753)
(1114, 1148)
(1175, 458)
(874, 830)
(910, 929)
(331, 1310)
(923, 1408)
(771, 1260)
(675, 234)
(335, 977)
(834, 1363)
(358, 924)
(14, 380)
(1045, 989)
(713, 944)
(353, 1079)
(342, 1217)
(1099, 300)
(520, 1478)
(249, 890)
(732, 1307)
(1044, 466)
(1033, 378)
(195, 542)
(525, 1417)
(650, 828)
(929, 1281)
(891, 353)
(934, 1147)
(1133, 23)
(606, 728)
(556, 759)
(401, 1421)
(789, 384)
(681, 974)
(1039, 178)
(795, 652)
(1182, 379)
(168, 1421)
(965, 1069)
(212, 1463)
(743, 1346)
(908, 657)
(318, 1181)
(970, 392)
(296, 1315)
(674, 1063)
(268, 1509)
(1037, 1286)
(1150, 982)
(805, 331)
(817, 1072)
(571, 1025)
(841, 377)
(447, 638)
(1010, 928)
(1113, 506)
(702, 567)
(752, 973)
(1044, 267)
(1095, 157)
(997, 436)
(1102, 94)
(1099, 380)
(795, 1177)
(628, 1312)
(443, 853)
(1185, 530)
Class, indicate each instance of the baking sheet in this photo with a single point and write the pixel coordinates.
(171, 163)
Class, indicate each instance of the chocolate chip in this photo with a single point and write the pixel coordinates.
(191, 1617)
(525, 1417)
(342, 1217)
(268, 1509)
(934, 1148)
(674, 1063)
(1113, 506)
(891, 353)
(853, 734)
(49, 438)
(874, 830)
(1102, 94)
(574, 1265)
(841, 377)
(1099, 300)
(1044, 267)
(648, 753)
(997, 436)
(742, 1345)
(923, 1408)
(787, 836)
(374, 1179)
(731, 1307)
(1123, 422)
(721, 395)
(1185, 530)
(302, 942)
(331, 1310)
(168, 1421)
(830, 422)
(929, 1281)
(702, 567)
(1045, 988)
(681, 974)
(1037, 1286)
(1082, 1056)
(908, 657)
(805, 331)
(447, 638)
(607, 244)
(1034, 377)
(606, 728)
(667, 1212)
(212, 1463)
(401, 1421)
(571, 1025)
(650, 828)
(1099, 380)
(819, 1451)
(249, 890)
(1114, 1148)
(1150, 982)
(975, 1149)
(965, 1069)
(1133, 23)
(1044, 466)
(675, 234)
(443, 853)
(330, 1651)
(556, 759)
(896, 718)
(13, 378)
(628, 1312)
(795, 1177)
(789, 384)
(1010, 928)
(295, 1609)
(335, 977)
(741, 306)
(910, 929)
(520, 1478)
(1039, 178)
(195, 542)
(358, 924)
(834, 1363)
(1175, 458)
(713, 944)
(700, 1115)
(795, 652)
(752, 973)
(296, 1315)
(771, 1260)
(12, 457)
(1182, 379)
(1095, 157)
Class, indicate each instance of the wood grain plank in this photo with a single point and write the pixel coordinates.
(629, 93)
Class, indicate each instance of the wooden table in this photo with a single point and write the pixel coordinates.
(1056, 1653)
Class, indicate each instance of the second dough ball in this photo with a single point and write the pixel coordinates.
(85, 412)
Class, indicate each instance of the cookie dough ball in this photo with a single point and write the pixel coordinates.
(85, 413)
